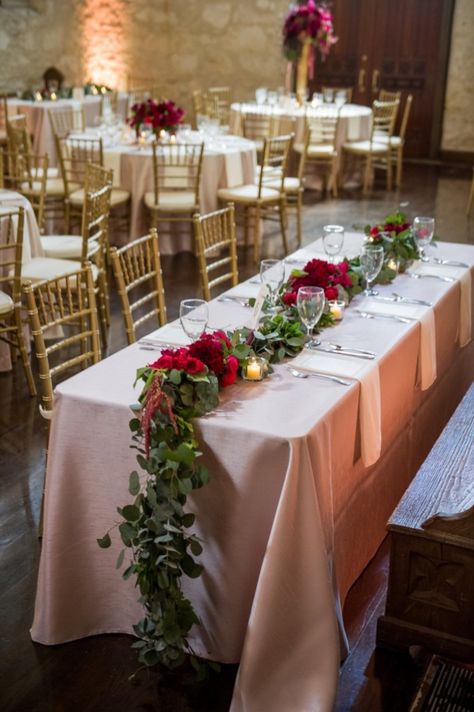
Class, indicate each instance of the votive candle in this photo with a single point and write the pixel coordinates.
(336, 309)
(254, 369)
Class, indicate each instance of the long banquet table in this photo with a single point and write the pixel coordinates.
(291, 515)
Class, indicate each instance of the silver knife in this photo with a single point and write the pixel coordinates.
(243, 301)
(343, 352)
(396, 299)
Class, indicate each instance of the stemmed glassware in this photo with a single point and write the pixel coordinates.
(333, 239)
(423, 231)
(272, 274)
(310, 303)
(371, 261)
(194, 316)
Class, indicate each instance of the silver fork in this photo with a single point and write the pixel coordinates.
(393, 317)
(448, 263)
(305, 374)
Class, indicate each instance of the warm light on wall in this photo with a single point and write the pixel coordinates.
(103, 41)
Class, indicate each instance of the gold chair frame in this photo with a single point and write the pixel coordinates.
(321, 134)
(66, 121)
(27, 174)
(214, 235)
(136, 265)
(11, 254)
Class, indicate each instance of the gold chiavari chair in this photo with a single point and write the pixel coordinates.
(320, 146)
(177, 172)
(220, 98)
(67, 302)
(335, 90)
(283, 125)
(259, 199)
(376, 152)
(28, 174)
(19, 138)
(139, 280)
(257, 127)
(293, 187)
(199, 107)
(11, 254)
(75, 154)
(66, 121)
(397, 143)
(92, 243)
(216, 245)
(389, 96)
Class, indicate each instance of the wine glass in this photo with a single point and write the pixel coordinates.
(272, 274)
(194, 315)
(310, 302)
(371, 261)
(423, 231)
(333, 239)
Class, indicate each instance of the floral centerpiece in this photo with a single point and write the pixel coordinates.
(158, 115)
(395, 234)
(308, 25)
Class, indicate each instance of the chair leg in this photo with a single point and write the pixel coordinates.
(256, 235)
(389, 171)
(282, 211)
(299, 207)
(24, 353)
(333, 180)
(367, 172)
(246, 226)
(399, 159)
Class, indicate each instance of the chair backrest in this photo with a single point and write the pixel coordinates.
(384, 117)
(27, 174)
(274, 163)
(219, 100)
(67, 302)
(322, 126)
(139, 279)
(283, 125)
(74, 155)
(335, 91)
(406, 115)
(11, 251)
(385, 95)
(216, 244)
(18, 136)
(177, 167)
(65, 121)
(3, 112)
(96, 212)
(258, 126)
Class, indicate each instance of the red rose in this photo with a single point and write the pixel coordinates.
(289, 298)
(194, 365)
(230, 374)
(165, 362)
(331, 293)
(374, 231)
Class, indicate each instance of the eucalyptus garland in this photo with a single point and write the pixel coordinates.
(183, 384)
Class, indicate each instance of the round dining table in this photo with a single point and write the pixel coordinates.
(228, 161)
(355, 120)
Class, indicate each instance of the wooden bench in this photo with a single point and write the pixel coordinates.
(430, 599)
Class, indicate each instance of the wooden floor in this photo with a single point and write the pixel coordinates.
(91, 675)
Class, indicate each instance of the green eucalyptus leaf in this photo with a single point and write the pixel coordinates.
(105, 541)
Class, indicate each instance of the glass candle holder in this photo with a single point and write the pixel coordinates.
(255, 369)
(336, 309)
(393, 264)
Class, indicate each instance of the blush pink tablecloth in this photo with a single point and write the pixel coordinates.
(290, 517)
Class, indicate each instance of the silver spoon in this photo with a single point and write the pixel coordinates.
(304, 374)
(415, 275)
(393, 317)
(411, 300)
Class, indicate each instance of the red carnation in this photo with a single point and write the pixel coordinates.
(230, 374)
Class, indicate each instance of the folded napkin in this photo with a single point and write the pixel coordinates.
(243, 291)
(463, 275)
(425, 315)
(367, 373)
(233, 168)
(112, 161)
(171, 333)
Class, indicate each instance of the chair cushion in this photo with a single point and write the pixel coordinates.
(68, 247)
(395, 141)
(44, 268)
(248, 194)
(117, 197)
(6, 303)
(180, 201)
(291, 184)
(365, 147)
(323, 150)
(54, 186)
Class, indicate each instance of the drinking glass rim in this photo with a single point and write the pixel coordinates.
(194, 301)
(334, 228)
(310, 290)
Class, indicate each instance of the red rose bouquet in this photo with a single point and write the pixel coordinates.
(333, 278)
(308, 20)
(394, 233)
(158, 115)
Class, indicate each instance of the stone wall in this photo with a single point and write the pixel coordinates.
(458, 124)
(186, 44)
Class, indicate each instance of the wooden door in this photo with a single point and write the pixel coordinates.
(397, 45)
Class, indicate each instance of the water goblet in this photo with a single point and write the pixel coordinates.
(423, 231)
(371, 261)
(272, 274)
(333, 239)
(194, 316)
(310, 303)
(260, 95)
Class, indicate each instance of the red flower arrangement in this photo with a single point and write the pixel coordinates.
(308, 20)
(159, 115)
(318, 273)
(211, 351)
